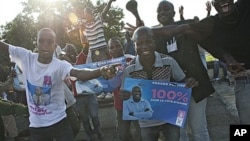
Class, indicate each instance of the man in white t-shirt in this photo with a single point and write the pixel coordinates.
(42, 70)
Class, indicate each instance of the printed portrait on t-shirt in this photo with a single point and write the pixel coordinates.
(40, 96)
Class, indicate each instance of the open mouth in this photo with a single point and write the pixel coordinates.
(138, 96)
(146, 52)
(162, 17)
(45, 51)
(224, 7)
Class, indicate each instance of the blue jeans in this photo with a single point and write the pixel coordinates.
(242, 96)
(129, 130)
(60, 131)
(197, 122)
(87, 106)
(217, 65)
(170, 132)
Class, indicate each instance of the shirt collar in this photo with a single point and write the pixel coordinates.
(158, 62)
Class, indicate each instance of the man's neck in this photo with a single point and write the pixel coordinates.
(44, 61)
(147, 63)
(168, 23)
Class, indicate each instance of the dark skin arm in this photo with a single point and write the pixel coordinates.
(87, 74)
(172, 30)
(106, 8)
(166, 31)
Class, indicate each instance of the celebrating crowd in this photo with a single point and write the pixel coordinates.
(46, 79)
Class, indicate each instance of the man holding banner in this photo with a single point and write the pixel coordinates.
(151, 65)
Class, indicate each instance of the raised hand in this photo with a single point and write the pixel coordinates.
(208, 8)
(131, 28)
(108, 72)
(181, 10)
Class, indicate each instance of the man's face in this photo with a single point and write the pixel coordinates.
(165, 12)
(144, 45)
(115, 49)
(46, 44)
(127, 36)
(136, 93)
(71, 53)
(223, 7)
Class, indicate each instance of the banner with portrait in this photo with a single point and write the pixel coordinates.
(169, 100)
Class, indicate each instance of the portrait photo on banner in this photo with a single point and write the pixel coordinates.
(156, 100)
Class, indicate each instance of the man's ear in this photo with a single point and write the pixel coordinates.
(173, 14)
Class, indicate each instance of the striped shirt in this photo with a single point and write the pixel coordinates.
(95, 34)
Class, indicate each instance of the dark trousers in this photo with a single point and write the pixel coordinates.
(60, 131)
(2, 137)
(129, 130)
(87, 107)
(217, 65)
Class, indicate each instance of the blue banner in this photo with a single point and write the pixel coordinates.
(100, 84)
(168, 101)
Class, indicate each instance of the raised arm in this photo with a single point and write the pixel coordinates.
(107, 7)
(106, 72)
(181, 12)
(172, 30)
(208, 8)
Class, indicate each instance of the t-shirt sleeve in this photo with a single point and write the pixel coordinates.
(177, 73)
(17, 54)
(66, 68)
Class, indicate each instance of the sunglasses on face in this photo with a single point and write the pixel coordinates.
(46, 41)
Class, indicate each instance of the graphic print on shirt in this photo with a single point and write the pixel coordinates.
(171, 45)
(40, 96)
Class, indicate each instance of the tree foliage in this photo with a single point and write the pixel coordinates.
(37, 14)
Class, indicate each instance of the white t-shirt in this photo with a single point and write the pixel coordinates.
(44, 91)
